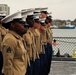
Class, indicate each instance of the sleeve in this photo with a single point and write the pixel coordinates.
(0, 40)
(1, 61)
(1, 57)
(27, 43)
(8, 50)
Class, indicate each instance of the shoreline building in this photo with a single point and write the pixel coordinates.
(4, 9)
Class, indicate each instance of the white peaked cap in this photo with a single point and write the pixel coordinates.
(36, 16)
(23, 18)
(49, 13)
(42, 20)
(44, 9)
(9, 18)
(28, 9)
(37, 9)
(27, 12)
(36, 13)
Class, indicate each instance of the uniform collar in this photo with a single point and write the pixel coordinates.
(15, 34)
(33, 30)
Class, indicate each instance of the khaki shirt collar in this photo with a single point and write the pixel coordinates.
(31, 29)
(15, 35)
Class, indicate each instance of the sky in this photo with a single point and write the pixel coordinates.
(61, 9)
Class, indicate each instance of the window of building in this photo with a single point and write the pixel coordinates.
(0, 8)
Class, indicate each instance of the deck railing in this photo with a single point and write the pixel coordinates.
(66, 45)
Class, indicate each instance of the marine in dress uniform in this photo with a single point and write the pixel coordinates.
(37, 61)
(30, 41)
(3, 32)
(49, 35)
(42, 55)
(14, 51)
(42, 17)
(39, 40)
(43, 58)
(47, 46)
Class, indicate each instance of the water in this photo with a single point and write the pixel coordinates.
(63, 46)
(64, 32)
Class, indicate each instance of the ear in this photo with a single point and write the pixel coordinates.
(12, 25)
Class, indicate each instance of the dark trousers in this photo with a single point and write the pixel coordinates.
(49, 48)
(30, 68)
(48, 58)
(37, 67)
(44, 70)
(1, 74)
(1, 62)
(42, 63)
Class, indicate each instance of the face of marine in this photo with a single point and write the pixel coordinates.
(42, 15)
(19, 28)
(36, 25)
(42, 28)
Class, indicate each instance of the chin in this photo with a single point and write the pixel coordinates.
(23, 31)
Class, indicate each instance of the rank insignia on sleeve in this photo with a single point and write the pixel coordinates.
(8, 50)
